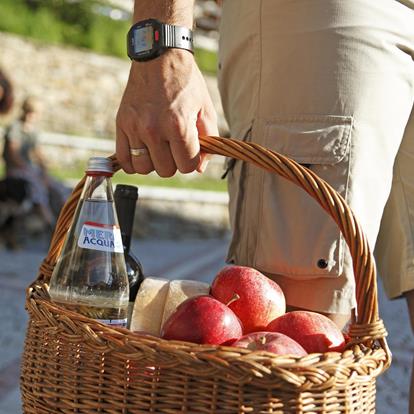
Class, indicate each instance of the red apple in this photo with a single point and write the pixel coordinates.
(271, 342)
(260, 299)
(315, 332)
(203, 320)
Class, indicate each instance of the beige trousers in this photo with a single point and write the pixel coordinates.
(329, 83)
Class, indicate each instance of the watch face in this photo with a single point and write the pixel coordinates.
(143, 39)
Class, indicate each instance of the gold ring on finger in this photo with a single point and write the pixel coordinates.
(138, 152)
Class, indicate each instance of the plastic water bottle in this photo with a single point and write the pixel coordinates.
(90, 275)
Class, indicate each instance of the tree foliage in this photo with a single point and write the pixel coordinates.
(80, 23)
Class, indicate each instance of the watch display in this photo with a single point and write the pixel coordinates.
(143, 39)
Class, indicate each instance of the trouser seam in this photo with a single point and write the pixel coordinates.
(406, 207)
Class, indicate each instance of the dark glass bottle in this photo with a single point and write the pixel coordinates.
(126, 197)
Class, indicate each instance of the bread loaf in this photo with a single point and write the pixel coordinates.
(149, 306)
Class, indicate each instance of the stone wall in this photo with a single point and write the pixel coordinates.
(80, 90)
(169, 213)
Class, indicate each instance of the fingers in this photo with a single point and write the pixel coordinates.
(141, 162)
(167, 151)
(162, 158)
(184, 144)
(122, 151)
(147, 133)
(128, 132)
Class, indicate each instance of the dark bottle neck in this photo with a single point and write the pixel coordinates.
(126, 200)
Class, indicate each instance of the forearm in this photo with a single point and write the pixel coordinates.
(177, 12)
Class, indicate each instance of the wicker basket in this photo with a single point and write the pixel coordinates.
(73, 364)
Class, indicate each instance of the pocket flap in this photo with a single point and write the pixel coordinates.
(308, 139)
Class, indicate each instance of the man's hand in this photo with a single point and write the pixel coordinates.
(165, 107)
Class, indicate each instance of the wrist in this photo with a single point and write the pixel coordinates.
(179, 12)
(171, 59)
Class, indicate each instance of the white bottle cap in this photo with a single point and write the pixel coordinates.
(99, 164)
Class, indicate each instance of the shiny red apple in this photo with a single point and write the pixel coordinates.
(203, 320)
(272, 342)
(315, 332)
(259, 299)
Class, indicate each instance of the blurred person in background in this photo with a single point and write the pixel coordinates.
(24, 160)
(329, 83)
(6, 94)
(13, 191)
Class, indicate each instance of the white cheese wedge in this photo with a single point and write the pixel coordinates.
(179, 291)
(149, 306)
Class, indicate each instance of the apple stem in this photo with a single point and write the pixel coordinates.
(262, 340)
(233, 299)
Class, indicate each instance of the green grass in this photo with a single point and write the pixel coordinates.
(206, 60)
(198, 182)
(76, 24)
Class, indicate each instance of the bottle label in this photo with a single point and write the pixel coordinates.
(103, 237)
(119, 323)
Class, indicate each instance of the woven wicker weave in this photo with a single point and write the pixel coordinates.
(72, 364)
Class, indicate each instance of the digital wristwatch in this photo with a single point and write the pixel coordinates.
(148, 39)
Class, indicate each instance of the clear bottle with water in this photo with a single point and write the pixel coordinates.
(90, 275)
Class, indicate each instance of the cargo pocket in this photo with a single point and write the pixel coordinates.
(295, 236)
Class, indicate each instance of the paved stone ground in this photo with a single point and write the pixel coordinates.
(191, 259)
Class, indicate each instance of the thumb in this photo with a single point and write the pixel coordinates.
(204, 160)
(205, 127)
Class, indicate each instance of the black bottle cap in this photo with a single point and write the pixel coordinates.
(127, 191)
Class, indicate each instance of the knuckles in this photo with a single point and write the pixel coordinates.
(143, 169)
(128, 169)
(142, 166)
(188, 168)
(166, 173)
(151, 132)
(179, 126)
(124, 162)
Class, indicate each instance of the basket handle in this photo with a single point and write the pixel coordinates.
(367, 323)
